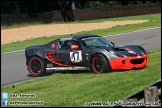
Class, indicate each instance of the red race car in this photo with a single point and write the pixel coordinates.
(83, 52)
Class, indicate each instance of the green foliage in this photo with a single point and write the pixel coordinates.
(94, 4)
(15, 7)
(10, 7)
(90, 4)
(113, 3)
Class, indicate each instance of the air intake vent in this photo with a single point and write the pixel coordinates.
(137, 61)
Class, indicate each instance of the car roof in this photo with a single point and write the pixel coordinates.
(76, 37)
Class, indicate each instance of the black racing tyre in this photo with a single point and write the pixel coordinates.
(36, 66)
(99, 64)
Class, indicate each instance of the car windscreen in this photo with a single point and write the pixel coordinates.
(96, 42)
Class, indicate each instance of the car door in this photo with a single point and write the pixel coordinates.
(66, 55)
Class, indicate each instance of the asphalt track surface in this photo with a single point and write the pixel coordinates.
(13, 68)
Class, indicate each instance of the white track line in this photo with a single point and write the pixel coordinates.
(134, 31)
(104, 36)
(12, 51)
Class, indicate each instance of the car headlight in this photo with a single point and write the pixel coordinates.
(117, 54)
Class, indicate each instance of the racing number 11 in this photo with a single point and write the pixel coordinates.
(76, 56)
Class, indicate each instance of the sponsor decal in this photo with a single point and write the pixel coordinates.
(66, 38)
(76, 56)
(90, 38)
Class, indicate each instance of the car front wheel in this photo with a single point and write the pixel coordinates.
(99, 64)
(36, 66)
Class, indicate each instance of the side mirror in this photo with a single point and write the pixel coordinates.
(74, 47)
(53, 45)
(113, 43)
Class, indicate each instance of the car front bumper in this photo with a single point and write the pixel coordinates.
(126, 63)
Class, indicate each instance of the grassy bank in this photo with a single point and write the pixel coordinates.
(154, 21)
(74, 88)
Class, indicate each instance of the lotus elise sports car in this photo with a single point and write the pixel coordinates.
(81, 52)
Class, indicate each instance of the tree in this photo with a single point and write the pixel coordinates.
(16, 7)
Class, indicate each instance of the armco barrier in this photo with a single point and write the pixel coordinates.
(150, 96)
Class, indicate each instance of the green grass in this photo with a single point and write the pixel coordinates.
(154, 21)
(74, 88)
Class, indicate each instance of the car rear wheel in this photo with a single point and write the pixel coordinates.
(100, 64)
(36, 66)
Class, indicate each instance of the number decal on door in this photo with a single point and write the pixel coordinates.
(76, 56)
